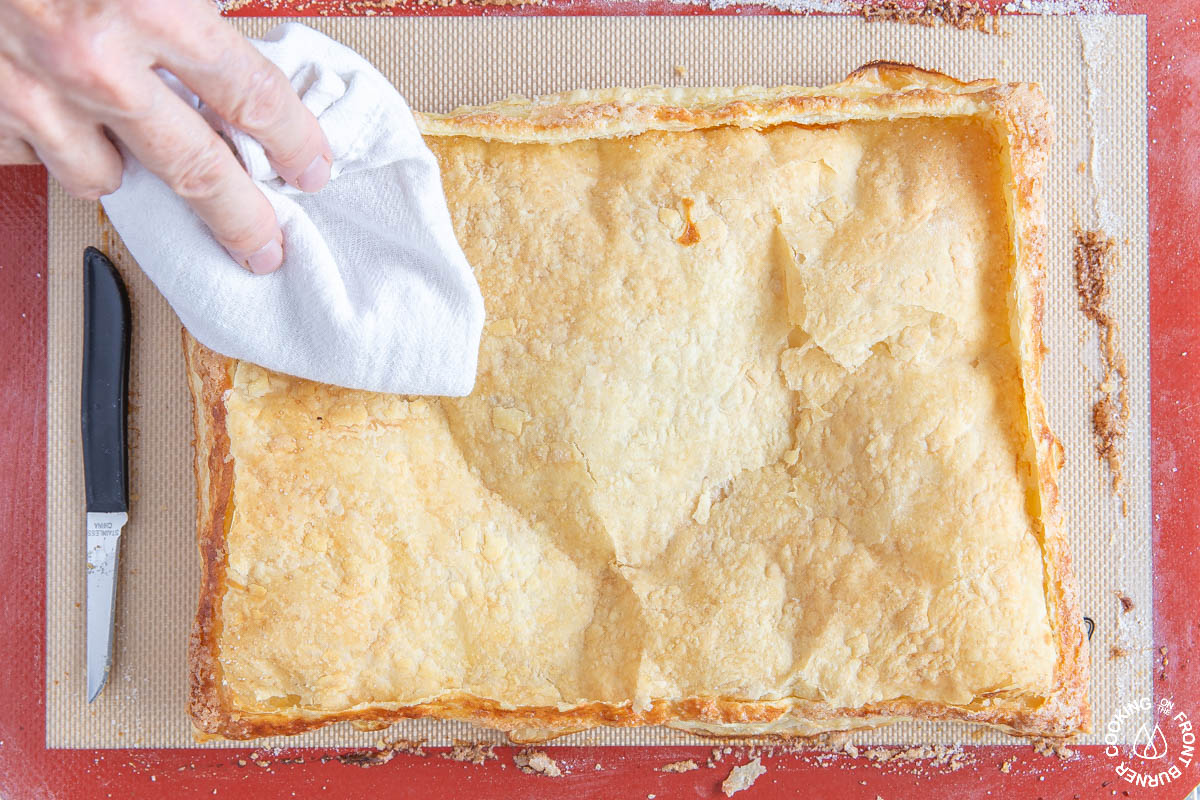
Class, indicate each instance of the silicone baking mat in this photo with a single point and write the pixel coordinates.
(1093, 69)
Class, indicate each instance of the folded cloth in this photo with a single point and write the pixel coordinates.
(374, 293)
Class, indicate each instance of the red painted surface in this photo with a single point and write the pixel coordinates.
(28, 770)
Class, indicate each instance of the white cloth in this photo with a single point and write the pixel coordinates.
(374, 293)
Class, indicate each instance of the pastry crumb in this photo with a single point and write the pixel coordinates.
(470, 753)
(836, 740)
(1052, 747)
(1006, 767)
(938, 755)
(535, 762)
(1117, 652)
(681, 71)
(742, 777)
(679, 766)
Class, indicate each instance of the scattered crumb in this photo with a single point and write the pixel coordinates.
(742, 777)
(836, 740)
(679, 766)
(938, 755)
(962, 14)
(470, 753)
(1006, 767)
(535, 762)
(1117, 652)
(1126, 601)
(1052, 747)
(681, 71)
(411, 746)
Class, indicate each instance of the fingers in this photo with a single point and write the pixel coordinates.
(35, 124)
(74, 149)
(175, 143)
(86, 164)
(16, 151)
(253, 95)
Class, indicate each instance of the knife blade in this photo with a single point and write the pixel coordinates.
(103, 418)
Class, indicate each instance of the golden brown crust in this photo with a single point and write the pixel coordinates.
(877, 91)
(209, 376)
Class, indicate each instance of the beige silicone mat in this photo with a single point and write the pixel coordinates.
(1094, 72)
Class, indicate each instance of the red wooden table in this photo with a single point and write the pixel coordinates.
(29, 770)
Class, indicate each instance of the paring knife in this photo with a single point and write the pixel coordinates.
(105, 384)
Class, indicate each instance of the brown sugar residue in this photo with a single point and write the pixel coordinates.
(691, 234)
(366, 8)
(1126, 601)
(962, 14)
(1110, 413)
(383, 752)
(106, 230)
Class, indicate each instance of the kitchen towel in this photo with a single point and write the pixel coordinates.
(374, 292)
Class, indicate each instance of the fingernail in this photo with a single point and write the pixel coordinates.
(267, 258)
(315, 175)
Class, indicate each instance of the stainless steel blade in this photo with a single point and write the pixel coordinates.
(103, 553)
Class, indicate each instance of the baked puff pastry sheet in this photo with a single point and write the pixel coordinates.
(757, 444)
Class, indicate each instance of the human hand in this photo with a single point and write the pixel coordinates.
(76, 74)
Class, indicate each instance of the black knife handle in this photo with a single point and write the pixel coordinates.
(105, 384)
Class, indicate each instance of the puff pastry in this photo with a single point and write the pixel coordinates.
(757, 444)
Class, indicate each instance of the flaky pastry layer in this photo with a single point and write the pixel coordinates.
(757, 444)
